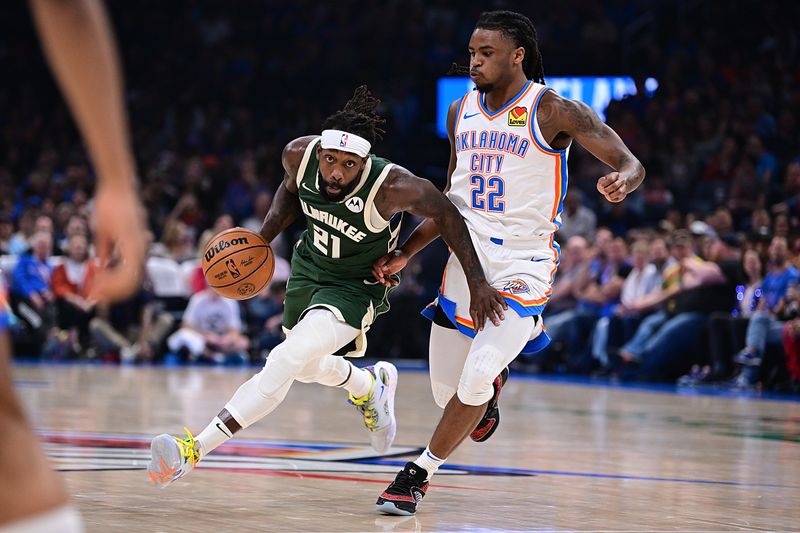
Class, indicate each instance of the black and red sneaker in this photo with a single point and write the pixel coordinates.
(405, 492)
(491, 418)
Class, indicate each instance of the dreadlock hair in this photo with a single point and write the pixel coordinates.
(358, 116)
(521, 31)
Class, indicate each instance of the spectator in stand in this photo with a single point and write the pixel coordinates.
(643, 279)
(211, 330)
(19, 242)
(727, 330)
(32, 296)
(663, 342)
(76, 225)
(574, 258)
(176, 243)
(131, 331)
(766, 323)
(576, 219)
(72, 283)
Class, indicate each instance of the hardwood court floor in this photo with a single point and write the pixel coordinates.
(566, 457)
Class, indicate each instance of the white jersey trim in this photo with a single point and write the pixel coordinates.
(372, 218)
(301, 170)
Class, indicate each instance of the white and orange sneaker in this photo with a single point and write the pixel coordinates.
(172, 458)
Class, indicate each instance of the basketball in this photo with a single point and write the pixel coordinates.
(238, 263)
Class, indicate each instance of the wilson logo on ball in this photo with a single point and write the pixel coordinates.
(221, 245)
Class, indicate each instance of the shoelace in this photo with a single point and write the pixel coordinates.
(403, 483)
(187, 447)
(366, 409)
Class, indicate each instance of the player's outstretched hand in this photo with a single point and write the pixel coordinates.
(613, 186)
(485, 302)
(389, 264)
(119, 222)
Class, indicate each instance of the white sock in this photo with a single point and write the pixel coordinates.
(359, 383)
(213, 436)
(429, 462)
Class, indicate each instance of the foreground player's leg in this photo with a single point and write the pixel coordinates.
(491, 351)
(304, 355)
(32, 496)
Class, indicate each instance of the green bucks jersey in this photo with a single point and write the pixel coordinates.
(344, 238)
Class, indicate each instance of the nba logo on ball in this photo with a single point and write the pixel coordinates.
(343, 140)
(231, 264)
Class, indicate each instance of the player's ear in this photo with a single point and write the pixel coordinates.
(519, 55)
(319, 150)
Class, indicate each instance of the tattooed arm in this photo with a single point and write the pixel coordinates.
(286, 204)
(403, 191)
(561, 119)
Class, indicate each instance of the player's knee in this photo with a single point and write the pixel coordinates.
(284, 364)
(483, 366)
(442, 393)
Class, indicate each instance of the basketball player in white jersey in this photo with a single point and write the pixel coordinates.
(79, 45)
(509, 143)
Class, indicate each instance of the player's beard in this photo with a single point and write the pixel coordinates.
(347, 189)
(485, 88)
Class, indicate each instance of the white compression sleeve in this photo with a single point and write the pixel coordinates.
(493, 349)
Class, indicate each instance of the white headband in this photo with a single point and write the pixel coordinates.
(347, 142)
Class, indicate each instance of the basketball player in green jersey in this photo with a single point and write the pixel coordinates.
(79, 45)
(353, 202)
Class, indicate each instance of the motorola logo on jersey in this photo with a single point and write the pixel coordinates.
(355, 204)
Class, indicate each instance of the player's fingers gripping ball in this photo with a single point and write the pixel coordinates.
(238, 263)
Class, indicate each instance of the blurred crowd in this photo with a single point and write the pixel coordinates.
(705, 248)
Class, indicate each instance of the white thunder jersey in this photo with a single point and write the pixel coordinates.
(509, 184)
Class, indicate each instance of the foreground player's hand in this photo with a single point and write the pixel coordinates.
(389, 264)
(613, 186)
(119, 222)
(485, 302)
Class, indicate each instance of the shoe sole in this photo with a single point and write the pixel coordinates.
(163, 447)
(391, 389)
(391, 509)
(496, 398)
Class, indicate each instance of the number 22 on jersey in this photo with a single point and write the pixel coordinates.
(487, 194)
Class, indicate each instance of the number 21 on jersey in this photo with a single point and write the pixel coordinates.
(487, 194)
(321, 238)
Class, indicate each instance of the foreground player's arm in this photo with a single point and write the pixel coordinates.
(560, 118)
(77, 40)
(286, 204)
(403, 191)
(427, 230)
